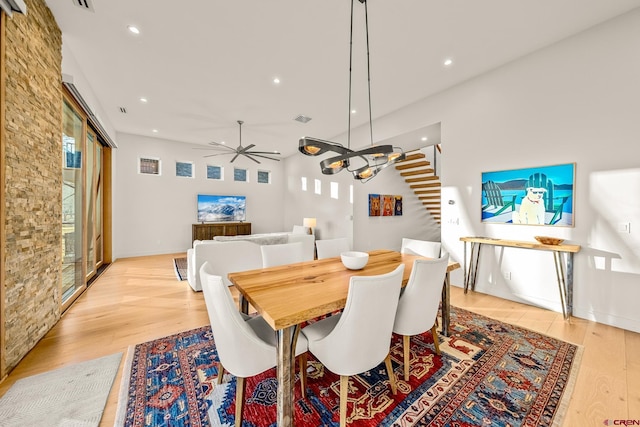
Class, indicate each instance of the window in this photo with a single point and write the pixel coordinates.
(149, 166)
(334, 190)
(241, 175)
(184, 169)
(303, 183)
(214, 172)
(73, 157)
(264, 177)
(318, 186)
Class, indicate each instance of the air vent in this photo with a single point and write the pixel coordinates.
(85, 4)
(123, 110)
(302, 119)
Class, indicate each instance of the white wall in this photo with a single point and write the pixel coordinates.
(71, 67)
(333, 216)
(377, 232)
(576, 101)
(154, 214)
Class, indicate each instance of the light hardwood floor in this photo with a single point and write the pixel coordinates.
(139, 299)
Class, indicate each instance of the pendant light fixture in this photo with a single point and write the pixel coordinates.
(365, 163)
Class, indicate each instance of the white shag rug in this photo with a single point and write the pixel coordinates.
(71, 396)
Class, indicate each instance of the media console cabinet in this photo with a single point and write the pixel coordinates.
(207, 231)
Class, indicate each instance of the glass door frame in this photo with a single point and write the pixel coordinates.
(79, 209)
(88, 187)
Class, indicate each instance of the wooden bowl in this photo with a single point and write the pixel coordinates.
(548, 240)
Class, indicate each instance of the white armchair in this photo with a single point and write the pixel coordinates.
(424, 248)
(418, 305)
(329, 248)
(245, 347)
(358, 339)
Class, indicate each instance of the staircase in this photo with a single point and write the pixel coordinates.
(422, 179)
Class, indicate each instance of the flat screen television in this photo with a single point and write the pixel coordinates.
(215, 208)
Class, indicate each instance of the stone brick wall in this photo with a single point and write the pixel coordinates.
(33, 187)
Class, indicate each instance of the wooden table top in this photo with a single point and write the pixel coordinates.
(521, 244)
(290, 294)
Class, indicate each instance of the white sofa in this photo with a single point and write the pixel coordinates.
(229, 254)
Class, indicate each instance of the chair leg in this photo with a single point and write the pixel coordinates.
(220, 372)
(240, 383)
(344, 392)
(436, 341)
(302, 361)
(392, 377)
(406, 346)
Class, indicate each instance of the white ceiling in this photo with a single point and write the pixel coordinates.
(204, 64)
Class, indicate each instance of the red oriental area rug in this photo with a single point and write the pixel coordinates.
(488, 373)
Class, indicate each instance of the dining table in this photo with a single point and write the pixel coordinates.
(289, 295)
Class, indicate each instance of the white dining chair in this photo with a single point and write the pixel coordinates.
(245, 347)
(329, 248)
(424, 248)
(358, 339)
(286, 253)
(418, 305)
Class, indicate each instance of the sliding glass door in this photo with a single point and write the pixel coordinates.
(73, 131)
(93, 197)
(83, 173)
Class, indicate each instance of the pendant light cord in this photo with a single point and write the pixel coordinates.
(350, 65)
(366, 26)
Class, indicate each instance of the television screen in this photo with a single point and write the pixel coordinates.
(212, 208)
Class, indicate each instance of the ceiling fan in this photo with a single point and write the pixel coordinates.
(241, 151)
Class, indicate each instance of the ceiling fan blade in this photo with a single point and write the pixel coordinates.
(211, 149)
(244, 149)
(249, 157)
(234, 157)
(220, 144)
(264, 157)
(273, 153)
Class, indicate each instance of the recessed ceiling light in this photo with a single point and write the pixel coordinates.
(133, 29)
(144, 100)
(424, 138)
(154, 130)
(448, 62)
(276, 80)
(353, 111)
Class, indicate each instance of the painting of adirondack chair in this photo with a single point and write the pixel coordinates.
(530, 196)
(494, 197)
(551, 203)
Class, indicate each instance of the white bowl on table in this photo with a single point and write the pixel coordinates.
(354, 260)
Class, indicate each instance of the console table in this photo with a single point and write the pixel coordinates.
(207, 231)
(564, 269)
